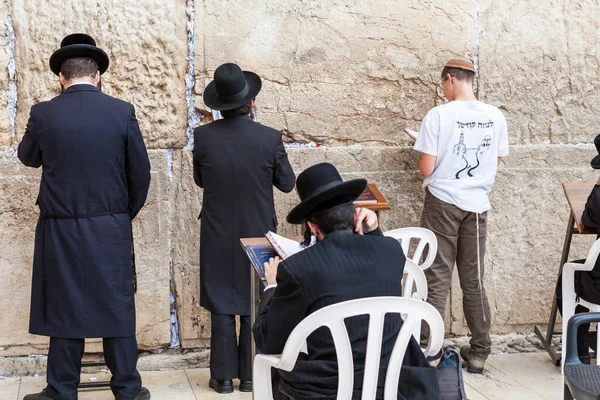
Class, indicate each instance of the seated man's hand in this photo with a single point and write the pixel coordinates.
(271, 270)
(365, 220)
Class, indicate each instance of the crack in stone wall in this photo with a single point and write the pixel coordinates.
(11, 106)
(175, 342)
(190, 80)
(479, 33)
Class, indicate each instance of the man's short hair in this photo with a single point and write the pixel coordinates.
(333, 219)
(236, 112)
(459, 74)
(79, 67)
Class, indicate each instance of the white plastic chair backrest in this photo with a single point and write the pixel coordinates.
(414, 311)
(425, 236)
(414, 276)
(592, 256)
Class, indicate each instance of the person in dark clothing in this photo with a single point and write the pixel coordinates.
(237, 161)
(341, 266)
(95, 179)
(587, 283)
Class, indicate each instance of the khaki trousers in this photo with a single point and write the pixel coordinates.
(456, 232)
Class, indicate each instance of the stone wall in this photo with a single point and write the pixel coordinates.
(349, 75)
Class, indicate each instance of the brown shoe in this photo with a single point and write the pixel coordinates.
(472, 364)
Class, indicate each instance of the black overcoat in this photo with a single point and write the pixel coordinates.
(587, 283)
(237, 161)
(95, 178)
(343, 266)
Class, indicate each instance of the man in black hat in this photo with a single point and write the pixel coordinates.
(95, 180)
(341, 266)
(237, 162)
(587, 283)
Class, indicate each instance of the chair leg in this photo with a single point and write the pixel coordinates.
(597, 344)
(567, 395)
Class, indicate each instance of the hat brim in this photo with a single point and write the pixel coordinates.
(352, 188)
(79, 50)
(595, 163)
(212, 101)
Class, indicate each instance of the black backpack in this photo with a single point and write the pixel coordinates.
(449, 375)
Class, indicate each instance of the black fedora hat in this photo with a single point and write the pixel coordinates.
(321, 187)
(78, 45)
(596, 160)
(231, 88)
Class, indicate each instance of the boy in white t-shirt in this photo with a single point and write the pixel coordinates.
(462, 143)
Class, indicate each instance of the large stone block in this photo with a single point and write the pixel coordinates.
(18, 217)
(538, 62)
(151, 238)
(338, 72)
(147, 46)
(186, 203)
(526, 225)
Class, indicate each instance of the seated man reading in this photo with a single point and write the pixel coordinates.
(343, 265)
(587, 283)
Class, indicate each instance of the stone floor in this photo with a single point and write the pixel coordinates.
(516, 376)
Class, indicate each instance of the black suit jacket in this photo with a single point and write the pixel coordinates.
(237, 161)
(587, 284)
(95, 179)
(343, 266)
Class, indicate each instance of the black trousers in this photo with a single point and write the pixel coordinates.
(583, 332)
(64, 367)
(228, 358)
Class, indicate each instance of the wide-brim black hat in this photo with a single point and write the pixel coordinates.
(595, 163)
(231, 88)
(320, 188)
(78, 45)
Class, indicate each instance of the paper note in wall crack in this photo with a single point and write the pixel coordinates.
(413, 134)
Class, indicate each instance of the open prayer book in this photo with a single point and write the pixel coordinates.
(285, 247)
(260, 250)
(412, 134)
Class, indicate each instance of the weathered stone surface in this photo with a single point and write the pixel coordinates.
(350, 74)
(18, 216)
(337, 72)
(147, 47)
(537, 64)
(151, 235)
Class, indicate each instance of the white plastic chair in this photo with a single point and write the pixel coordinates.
(569, 301)
(413, 311)
(413, 275)
(416, 275)
(425, 236)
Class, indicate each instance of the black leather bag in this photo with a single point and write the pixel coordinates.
(449, 375)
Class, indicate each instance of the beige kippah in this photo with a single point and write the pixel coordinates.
(461, 63)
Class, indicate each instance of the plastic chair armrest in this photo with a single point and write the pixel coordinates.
(577, 267)
(575, 321)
